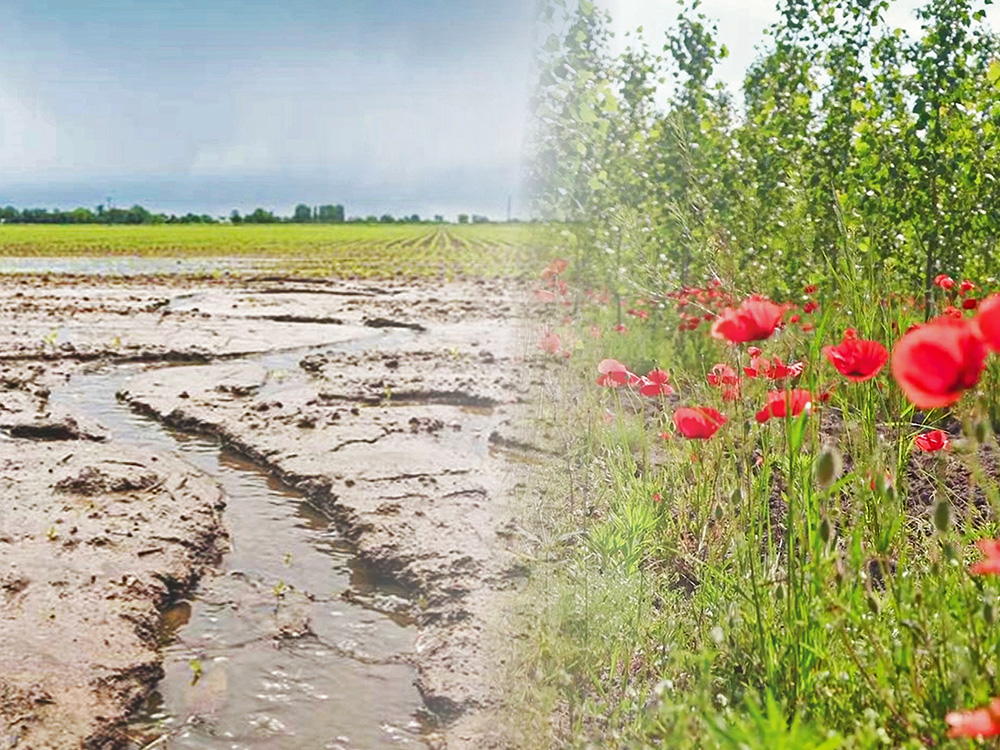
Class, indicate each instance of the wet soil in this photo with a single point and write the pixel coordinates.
(388, 407)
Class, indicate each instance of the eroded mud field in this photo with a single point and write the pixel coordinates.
(360, 438)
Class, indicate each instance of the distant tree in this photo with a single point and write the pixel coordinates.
(371, 220)
(260, 216)
(303, 214)
(330, 214)
(479, 219)
(415, 219)
(463, 218)
(438, 219)
(386, 219)
(235, 218)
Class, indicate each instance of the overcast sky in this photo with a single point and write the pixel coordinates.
(405, 106)
(400, 106)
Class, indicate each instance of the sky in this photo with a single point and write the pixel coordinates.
(398, 106)
(740, 23)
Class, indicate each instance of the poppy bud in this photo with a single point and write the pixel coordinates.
(719, 513)
(779, 592)
(989, 613)
(982, 431)
(942, 516)
(873, 603)
(827, 467)
(825, 531)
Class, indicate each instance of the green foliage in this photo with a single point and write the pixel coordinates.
(848, 131)
(802, 583)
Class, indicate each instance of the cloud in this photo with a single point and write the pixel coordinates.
(28, 140)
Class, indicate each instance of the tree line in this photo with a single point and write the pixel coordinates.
(851, 138)
(302, 214)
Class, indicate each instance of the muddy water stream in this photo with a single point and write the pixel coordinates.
(265, 654)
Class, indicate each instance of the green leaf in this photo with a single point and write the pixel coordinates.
(993, 73)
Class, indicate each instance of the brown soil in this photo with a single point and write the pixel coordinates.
(403, 443)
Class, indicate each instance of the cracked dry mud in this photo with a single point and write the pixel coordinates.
(401, 434)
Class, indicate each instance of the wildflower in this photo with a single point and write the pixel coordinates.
(979, 722)
(773, 370)
(555, 268)
(965, 287)
(811, 289)
(613, 373)
(656, 497)
(944, 281)
(722, 374)
(784, 403)
(754, 320)
(990, 565)
(935, 363)
(621, 328)
(664, 435)
(857, 359)
(550, 343)
(655, 383)
(595, 331)
(933, 441)
(810, 306)
(987, 322)
(698, 422)
(970, 303)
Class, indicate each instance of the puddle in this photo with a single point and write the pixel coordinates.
(266, 653)
(134, 265)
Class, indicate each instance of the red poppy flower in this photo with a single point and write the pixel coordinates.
(979, 722)
(754, 320)
(987, 322)
(810, 306)
(621, 328)
(555, 268)
(722, 374)
(933, 441)
(857, 359)
(952, 312)
(965, 287)
(613, 373)
(550, 343)
(944, 281)
(811, 289)
(698, 422)
(935, 363)
(990, 564)
(656, 384)
(970, 303)
(784, 403)
(773, 370)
